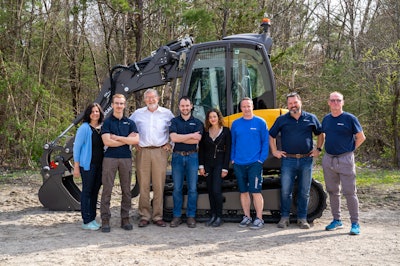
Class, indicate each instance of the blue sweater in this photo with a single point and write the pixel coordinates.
(83, 146)
(250, 141)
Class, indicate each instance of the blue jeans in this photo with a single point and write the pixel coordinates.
(290, 169)
(91, 183)
(185, 166)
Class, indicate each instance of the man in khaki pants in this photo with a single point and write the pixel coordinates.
(152, 122)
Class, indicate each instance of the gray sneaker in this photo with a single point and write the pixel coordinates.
(257, 224)
(283, 223)
(245, 222)
(303, 224)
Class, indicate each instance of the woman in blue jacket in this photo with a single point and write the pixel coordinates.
(88, 158)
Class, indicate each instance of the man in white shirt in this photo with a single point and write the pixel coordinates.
(152, 123)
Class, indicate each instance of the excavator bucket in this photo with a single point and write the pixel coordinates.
(59, 191)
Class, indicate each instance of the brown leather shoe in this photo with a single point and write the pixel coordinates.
(143, 223)
(160, 223)
(176, 221)
(125, 224)
(191, 222)
(105, 226)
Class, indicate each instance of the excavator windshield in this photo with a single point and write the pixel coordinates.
(220, 76)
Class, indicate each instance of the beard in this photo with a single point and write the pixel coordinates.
(294, 110)
(152, 106)
(185, 112)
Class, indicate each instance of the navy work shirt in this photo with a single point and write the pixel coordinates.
(296, 135)
(182, 126)
(120, 127)
(340, 133)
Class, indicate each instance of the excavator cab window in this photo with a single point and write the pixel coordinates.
(207, 87)
(249, 78)
(221, 76)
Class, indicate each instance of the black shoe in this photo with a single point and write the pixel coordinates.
(125, 224)
(105, 226)
(211, 220)
(217, 222)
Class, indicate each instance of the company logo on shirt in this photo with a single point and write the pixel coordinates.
(125, 123)
(192, 124)
(253, 128)
(340, 124)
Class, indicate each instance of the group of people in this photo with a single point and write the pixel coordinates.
(208, 150)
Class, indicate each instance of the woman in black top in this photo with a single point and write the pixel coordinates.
(214, 157)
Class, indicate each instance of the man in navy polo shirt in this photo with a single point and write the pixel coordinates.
(185, 131)
(344, 135)
(118, 134)
(296, 128)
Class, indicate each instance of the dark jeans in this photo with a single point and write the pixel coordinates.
(91, 183)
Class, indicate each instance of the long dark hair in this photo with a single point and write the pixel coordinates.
(88, 111)
(207, 124)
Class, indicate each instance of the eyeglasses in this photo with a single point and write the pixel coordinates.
(292, 94)
(335, 100)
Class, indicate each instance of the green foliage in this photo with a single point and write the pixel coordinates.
(367, 177)
(121, 5)
(383, 102)
(26, 128)
(199, 21)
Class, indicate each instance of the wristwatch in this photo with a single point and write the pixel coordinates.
(319, 149)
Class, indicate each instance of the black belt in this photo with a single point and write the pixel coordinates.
(152, 147)
(297, 156)
(185, 153)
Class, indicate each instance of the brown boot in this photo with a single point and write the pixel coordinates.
(125, 224)
(105, 226)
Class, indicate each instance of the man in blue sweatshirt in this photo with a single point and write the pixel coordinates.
(250, 148)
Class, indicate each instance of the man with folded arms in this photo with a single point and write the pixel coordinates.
(185, 132)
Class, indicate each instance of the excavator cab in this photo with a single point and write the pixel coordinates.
(221, 73)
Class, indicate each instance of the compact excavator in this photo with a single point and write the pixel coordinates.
(216, 74)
